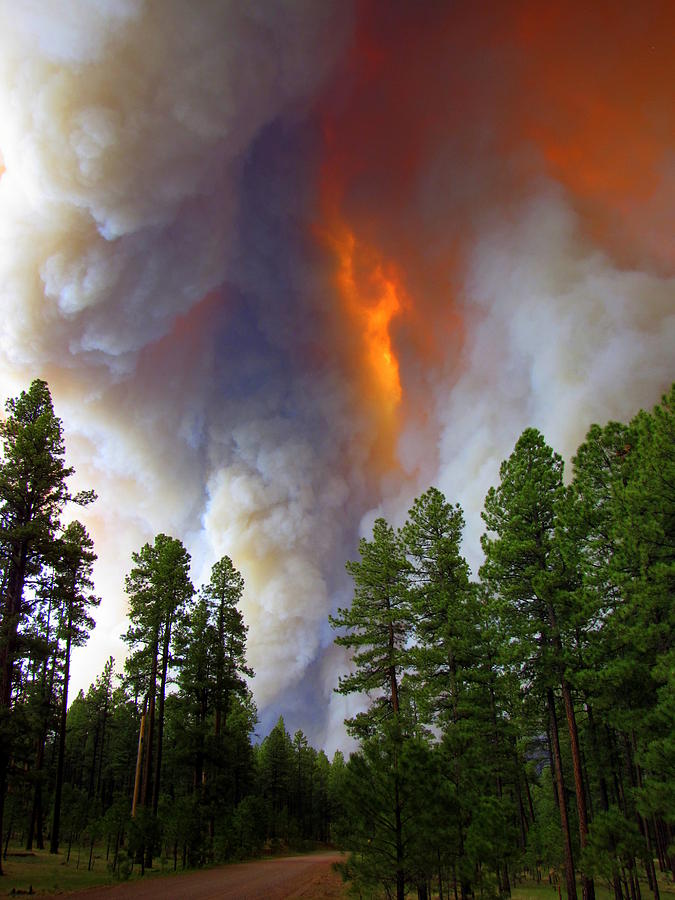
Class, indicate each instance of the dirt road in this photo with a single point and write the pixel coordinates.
(307, 877)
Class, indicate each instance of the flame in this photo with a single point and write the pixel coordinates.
(371, 296)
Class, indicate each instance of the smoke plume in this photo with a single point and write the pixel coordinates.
(286, 265)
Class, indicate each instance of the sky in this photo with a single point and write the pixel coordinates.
(285, 265)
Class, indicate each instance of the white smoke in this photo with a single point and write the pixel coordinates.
(278, 513)
(558, 338)
(121, 131)
(123, 126)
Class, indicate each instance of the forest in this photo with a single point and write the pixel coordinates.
(520, 725)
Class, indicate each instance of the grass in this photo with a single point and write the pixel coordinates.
(542, 890)
(45, 872)
(532, 890)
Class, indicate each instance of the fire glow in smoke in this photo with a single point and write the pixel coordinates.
(370, 298)
(285, 266)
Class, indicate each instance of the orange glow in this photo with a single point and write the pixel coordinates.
(441, 124)
(490, 97)
(601, 87)
(394, 289)
(371, 298)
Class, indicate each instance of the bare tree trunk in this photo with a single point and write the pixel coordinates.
(562, 803)
(9, 627)
(150, 724)
(643, 825)
(588, 887)
(139, 765)
(160, 715)
(56, 821)
(103, 727)
(400, 873)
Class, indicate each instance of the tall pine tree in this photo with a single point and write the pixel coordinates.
(33, 493)
(158, 588)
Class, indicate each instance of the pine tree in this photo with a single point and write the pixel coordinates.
(74, 586)
(450, 666)
(443, 604)
(619, 523)
(42, 699)
(221, 596)
(275, 773)
(210, 657)
(33, 493)
(524, 568)
(158, 588)
(379, 625)
(643, 623)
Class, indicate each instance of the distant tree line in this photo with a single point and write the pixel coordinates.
(524, 722)
(156, 765)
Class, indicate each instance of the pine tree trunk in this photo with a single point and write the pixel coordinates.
(10, 624)
(35, 823)
(670, 856)
(604, 794)
(643, 825)
(528, 794)
(8, 635)
(392, 673)
(160, 715)
(465, 887)
(160, 734)
(562, 803)
(92, 772)
(56, 820)
(146, 797)
(39, 823)
(100, 764)
(139, 765)
(400, 873)
(4, 764)
(658, 840)
(636, 783)
(36, 820)
(521, 806)
(663, 837)
(150, 724)
(220, 669)
(616, 884)
(587, 883)
(616, 769)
